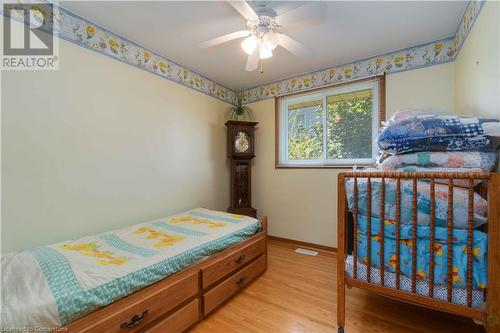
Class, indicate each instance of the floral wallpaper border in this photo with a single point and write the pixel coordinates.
(80, 31)
(465, 26)
(433, 53)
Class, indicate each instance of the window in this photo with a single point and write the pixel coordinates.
(333, 127)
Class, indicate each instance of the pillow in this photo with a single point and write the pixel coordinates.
(439, 133)
(485, 161)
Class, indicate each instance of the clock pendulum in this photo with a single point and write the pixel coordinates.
(241, 150)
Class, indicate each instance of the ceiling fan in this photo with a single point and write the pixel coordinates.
(263, 31)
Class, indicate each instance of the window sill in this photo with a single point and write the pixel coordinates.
(320, 166)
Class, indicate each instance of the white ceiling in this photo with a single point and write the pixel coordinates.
(350, 31)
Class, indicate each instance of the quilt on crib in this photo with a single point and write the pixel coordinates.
(462, 160)
(460, 202)
(53, 285)
(440, 249)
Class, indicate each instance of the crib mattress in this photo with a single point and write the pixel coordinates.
(459, 295)
(53, 285)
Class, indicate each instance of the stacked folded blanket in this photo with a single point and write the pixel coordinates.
(428, 141)
(439, 132)
(432, 141)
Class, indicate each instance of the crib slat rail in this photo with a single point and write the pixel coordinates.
(382, 231)
(341, 250)
(470, 230)
(420, 175)
(414, 238)
(398, 233)
(432, 236)
(355, 228)
(449, 227)
(493, 295)
(404, 188)
(369, 229)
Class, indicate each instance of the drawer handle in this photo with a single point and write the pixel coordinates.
(240, 259)
(241, 280)
(136, 320)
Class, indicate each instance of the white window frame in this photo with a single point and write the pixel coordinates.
(283, 126)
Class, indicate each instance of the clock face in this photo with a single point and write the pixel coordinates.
(241, 142)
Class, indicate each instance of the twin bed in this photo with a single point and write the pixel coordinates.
(170, 272)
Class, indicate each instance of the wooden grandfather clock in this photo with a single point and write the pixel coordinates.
(241, 150)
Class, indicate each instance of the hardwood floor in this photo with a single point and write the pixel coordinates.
(298, 294)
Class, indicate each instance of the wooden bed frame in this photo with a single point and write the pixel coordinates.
(489, 314)
(177, 302)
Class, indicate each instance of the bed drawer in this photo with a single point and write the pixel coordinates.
(178, 321)
(233, 284)
(232, 262)
(137, 310)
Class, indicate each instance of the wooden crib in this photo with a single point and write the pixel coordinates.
(488, 315)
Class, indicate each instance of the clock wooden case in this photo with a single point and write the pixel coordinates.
(241, 150)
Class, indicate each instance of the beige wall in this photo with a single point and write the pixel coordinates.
(477, 66)
(99, 145)
(429, 87)
(302, 204)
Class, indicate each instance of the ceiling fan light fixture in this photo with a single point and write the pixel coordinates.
(271, 40)
(265, 52)
(263, 31)
(249, 44)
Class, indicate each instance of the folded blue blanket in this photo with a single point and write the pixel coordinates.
(439, 133)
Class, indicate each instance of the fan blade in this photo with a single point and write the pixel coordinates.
(244, 9)
(253, 60)
(293, 46)
(224, 39)
(309, 12)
